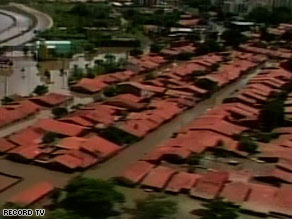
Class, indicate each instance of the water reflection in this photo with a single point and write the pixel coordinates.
(23, 79)
(27, 73)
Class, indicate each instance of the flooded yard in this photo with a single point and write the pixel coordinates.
(26, 73)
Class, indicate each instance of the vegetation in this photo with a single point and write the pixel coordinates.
(272, 16)
(118, 136)
(273, 114)
(91, 198)
(160, 17)
(219, 209)
(49, 137)
(156, 48)
(157, 207)
(261, 136)
(247, 144)
(41, 90)
(59, 112)
(207, 84)
(233, 37)
(207, 47)
(6, 100)
(202, 5)
(194, 159)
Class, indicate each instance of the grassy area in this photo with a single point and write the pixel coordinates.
(87, 25)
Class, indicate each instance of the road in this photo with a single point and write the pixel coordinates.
(114, 166)
(6, 21)
(24, 23)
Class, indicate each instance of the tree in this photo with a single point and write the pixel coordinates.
(91, 198)
(272, 114)
(233, 37)
(61, 213)
(49, 137)
(287, 35)
(247, 144)
(59, 112)
(136, 52)
(157, 207)
(6, 100)
(194, 159)
(41, 90)
(260, 15)
(155, 48)
(219, 209)
(207, 47)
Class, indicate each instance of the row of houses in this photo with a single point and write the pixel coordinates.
(99, 130)
(233, 186)
(27, 107)
(263, 189)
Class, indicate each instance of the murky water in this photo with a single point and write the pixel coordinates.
(22, 80)
(27, 73)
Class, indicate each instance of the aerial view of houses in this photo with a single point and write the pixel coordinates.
(146, 109)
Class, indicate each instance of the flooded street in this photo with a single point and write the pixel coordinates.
(27, 73)
(23, 79)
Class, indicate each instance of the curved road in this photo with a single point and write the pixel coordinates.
(5, 21)
(23, 23)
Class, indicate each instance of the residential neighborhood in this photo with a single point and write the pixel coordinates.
(146, 109)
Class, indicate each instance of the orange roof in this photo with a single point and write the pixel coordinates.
(71, 143)
(28, 152)
(136, 172)
(59, 127)
(158, 177)
(235, 191)
(51, 99)
(32, 194)
(6, 145)
(100, 146)
(182, 181)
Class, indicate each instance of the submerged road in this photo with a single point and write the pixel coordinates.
(113, 167)
(6, 21)
(22, 31)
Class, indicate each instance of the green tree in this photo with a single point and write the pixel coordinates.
(260, 15)
(207, 47)
(265, 35)
(91, 198)
(49, 137)
(219, 209)
(247, 144)
(6, 100)
(59, 112)
(233, 37)
(155, 48)
(61, 213)
(287, 35)
(272, 114)
(157, 207)
(41, 90)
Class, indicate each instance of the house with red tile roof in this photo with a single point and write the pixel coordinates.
(136, 172)
(182, 182)
(61, 128)
(51, 99)
(33, 194)
(17, 111)
(236, 192)
(158, 177)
